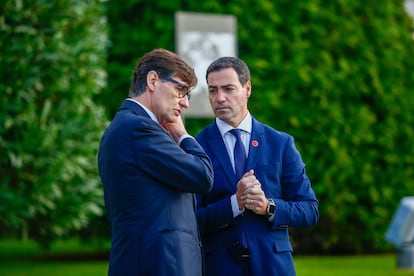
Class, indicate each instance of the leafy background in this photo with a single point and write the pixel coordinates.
(336, 75)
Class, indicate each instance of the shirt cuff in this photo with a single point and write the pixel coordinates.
(235, 206)
(183, 137)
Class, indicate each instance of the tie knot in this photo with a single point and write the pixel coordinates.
(236, 132)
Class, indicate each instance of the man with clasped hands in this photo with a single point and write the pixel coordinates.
(260, 185)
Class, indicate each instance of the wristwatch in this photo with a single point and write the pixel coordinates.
(271, 208)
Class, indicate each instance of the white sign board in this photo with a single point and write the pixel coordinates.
(200, 39)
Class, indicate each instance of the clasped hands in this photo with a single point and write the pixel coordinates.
(250, 195)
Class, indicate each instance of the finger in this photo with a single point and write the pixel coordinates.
(253, 190)
(254, 183)
(249, 173)
(249, 202)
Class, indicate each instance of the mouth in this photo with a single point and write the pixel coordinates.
(177, 112)
(221, 108)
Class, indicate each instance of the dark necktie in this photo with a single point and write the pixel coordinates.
(239, 167)
(239, 154)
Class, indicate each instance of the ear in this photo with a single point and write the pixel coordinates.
(152, 77)
(248, 88)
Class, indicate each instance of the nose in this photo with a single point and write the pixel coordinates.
(184, 102)
(220, 97)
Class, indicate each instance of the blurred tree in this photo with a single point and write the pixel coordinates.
(51, 64)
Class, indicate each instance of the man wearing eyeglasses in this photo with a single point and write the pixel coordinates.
(150, 169)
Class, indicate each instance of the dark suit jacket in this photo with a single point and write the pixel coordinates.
(149, 183)
(281, 172)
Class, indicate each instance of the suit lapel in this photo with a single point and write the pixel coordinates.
(256, 145)
(217, 147)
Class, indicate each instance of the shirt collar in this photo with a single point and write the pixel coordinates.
(152, 115)
(245, 124)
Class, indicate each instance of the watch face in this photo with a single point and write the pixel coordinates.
(271, 209)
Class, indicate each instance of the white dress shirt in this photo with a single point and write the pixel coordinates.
(230, 141)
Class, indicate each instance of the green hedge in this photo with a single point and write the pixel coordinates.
(52, 62)
(337, 75)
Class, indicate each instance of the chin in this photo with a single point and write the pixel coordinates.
(222, 116)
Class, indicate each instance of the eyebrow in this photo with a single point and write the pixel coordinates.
(222, 86)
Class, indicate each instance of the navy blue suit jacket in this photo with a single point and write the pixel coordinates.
(279, 168)
(149, 181)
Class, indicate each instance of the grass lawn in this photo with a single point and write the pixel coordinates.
(78, 258)
(358, 265)
(73, 257)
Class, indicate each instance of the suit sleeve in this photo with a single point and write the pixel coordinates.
(186, 168)
(298, 207)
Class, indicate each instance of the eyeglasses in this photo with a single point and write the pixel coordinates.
(182, 88)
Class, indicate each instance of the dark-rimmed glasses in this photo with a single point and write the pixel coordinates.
(182, 88)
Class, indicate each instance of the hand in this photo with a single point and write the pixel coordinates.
(250, 194)
(176, 128)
